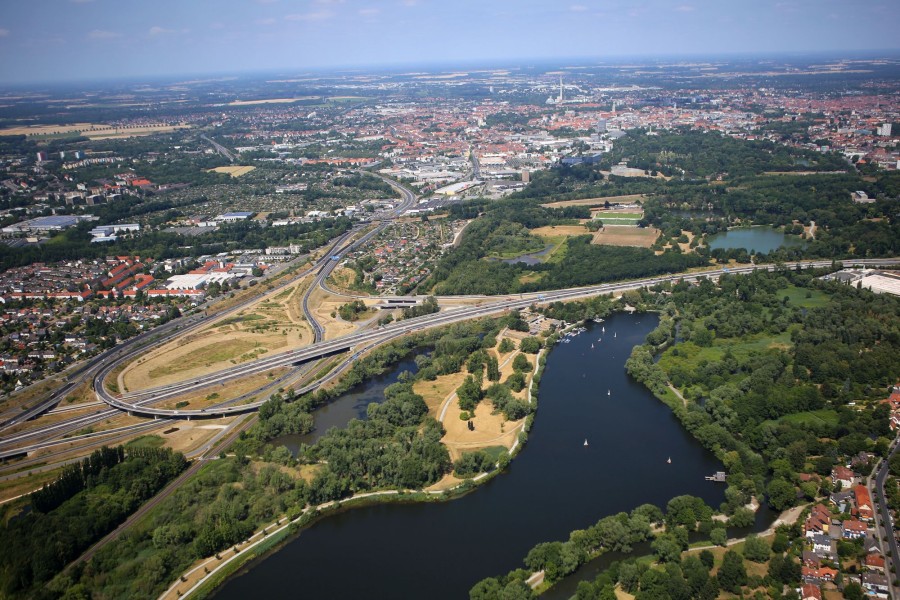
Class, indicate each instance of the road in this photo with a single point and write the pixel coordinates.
(883, 512)
(220, 149)
(156, 336)
(135, 403)
(58, 434)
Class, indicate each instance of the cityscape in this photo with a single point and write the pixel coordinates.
(619, 326)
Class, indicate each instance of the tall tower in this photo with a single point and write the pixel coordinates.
(560, 90)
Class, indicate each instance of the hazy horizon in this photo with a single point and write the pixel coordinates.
(99, 40)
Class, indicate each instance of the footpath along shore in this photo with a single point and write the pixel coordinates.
(208, 570)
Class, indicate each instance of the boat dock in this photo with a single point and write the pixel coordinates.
(719, 476)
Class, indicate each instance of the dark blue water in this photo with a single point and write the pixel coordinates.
(554, 486)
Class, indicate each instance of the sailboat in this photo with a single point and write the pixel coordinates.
(585, 442)
(608, 393)
(592, 346)
(603, 329)
(614, 335)
(668, 461)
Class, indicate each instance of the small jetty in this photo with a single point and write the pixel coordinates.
(719, 477)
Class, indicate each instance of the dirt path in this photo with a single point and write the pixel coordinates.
(788, 517)
(677, 393)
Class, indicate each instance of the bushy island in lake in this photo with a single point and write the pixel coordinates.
(786, 378)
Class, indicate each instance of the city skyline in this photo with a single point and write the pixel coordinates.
(71, 40)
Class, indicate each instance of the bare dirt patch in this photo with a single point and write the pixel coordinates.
(626, 236)
(192, 434)
(227, 391)
(557, 230)
(323, 304)
(272, 101)
(490, 430)
(438, 391)
(628, 199)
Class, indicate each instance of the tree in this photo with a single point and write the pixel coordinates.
(718, 536)
(732, 574)
(516, 382)
(469, 394)
(520, 363)
(781, 494)
(667, 548)
(486, 589)
(505, 346)
(493, 368)
(742, 517)
(531, 345)
(756, 549)
(516, 590)
(853, 591)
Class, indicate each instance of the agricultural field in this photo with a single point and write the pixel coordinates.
(272, 101)
(91, 130)
(627, 199)
(626, 236)
(234, 171)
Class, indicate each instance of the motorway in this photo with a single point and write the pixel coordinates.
(57, 434)
(220, 149)
(137, 402)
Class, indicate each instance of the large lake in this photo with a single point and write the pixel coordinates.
(555, 485)
(753, 239)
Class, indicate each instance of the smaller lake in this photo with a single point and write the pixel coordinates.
(351, 405)
(532, 258)
(753, 239)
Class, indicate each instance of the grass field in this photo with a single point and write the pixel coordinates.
(269, 325)
(805, 298)
(557, 235)
(207, 355)
(146, 441)
(603, 215)
(811, 418)
(690, 355)
(626, 236)
(234, 171)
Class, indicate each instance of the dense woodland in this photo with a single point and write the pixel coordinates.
(396, 447)
(88, 501)
(781, 374)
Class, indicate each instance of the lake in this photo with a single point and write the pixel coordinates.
(530, 259)
(555, 485)
(753, 239)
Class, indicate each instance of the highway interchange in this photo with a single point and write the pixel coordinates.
(297, 363)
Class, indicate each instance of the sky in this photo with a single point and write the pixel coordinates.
(71, 40)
